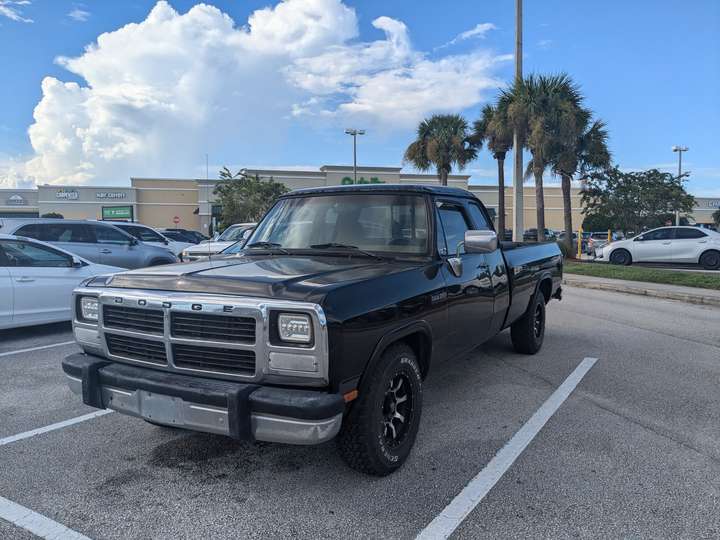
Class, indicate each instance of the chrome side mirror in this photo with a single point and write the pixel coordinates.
(77, 262)
(480, 242)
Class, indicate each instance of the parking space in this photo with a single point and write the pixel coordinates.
(634, 451)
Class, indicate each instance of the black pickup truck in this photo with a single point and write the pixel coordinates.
(325, 325)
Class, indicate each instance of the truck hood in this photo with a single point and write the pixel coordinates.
(296, 277)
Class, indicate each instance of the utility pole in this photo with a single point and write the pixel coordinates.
(518, 204)
(354, 132)
(679, 150)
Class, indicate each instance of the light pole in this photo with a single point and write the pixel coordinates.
(518, 203)
(354, 132)
(679, 150)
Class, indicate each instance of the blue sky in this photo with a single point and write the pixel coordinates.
(650, 69)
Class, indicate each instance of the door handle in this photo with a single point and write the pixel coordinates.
(24, 279)
(105, 251)
(666, 243)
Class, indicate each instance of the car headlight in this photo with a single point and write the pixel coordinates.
(89, 308)
(294, 328)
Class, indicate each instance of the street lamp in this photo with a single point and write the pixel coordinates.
(679, 150)
(354, 132)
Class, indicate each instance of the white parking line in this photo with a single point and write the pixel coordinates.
(36, 523)
(460, 507)
(53, 427)
(31, 349)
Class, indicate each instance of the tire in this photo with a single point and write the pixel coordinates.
(528, 332)
(621, 257)
(710, 260)
(371, 439)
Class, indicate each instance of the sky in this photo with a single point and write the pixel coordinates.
(95, 92)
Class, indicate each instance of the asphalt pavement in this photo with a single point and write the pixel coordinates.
(633, 452)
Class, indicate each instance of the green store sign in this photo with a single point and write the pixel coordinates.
(346, 181)
(117, 212)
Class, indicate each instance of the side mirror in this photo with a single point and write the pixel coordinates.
(639, 239)
(480, 241)
(77, 263)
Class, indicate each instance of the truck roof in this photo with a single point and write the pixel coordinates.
(393, 188)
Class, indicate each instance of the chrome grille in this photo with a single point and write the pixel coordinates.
(149, 321)
(235, 361)
(212, 327)
(134, 348)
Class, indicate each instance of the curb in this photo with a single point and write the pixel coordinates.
(642, 291)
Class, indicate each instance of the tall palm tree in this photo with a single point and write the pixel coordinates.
(545, 111)
(494, 129)
(442, 141)
(587, 152)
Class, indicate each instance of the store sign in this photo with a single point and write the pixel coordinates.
(346, 181)
(713, 203)
(16, 200)
(117, 212)
(110, 195)
(67, 194)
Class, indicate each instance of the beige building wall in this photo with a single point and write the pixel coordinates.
(161, 200)
(83, 202)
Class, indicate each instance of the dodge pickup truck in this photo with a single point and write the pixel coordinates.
(323, 326)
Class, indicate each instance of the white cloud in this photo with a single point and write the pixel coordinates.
(156, 95)
(545, 43)
(11, 10)
(79, 14)
(478, 31)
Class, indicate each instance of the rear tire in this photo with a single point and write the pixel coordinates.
(621, 257)
(528, 332)
(380, 429)
(710, 260)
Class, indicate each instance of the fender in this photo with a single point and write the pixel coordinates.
(391, 337)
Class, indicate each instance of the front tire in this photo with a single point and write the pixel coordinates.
(528, 332)
(380, 429)
(710, 260)
(621, 257)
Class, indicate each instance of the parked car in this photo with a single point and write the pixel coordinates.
(531, 235)
(667, 245)
(95, 241)
(150, 236)
(184, 235)
(212, 247)
(37, 281)
(324, 325)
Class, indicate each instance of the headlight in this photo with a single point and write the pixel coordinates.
(89, 308)
(294, 328)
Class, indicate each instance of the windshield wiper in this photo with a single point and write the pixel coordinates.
(268, 245)
(337, 245)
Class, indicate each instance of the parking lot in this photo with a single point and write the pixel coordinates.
(634, 451)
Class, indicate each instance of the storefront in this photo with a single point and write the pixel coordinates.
(704, 209)
(18, 203)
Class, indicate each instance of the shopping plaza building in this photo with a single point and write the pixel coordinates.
(192, 204)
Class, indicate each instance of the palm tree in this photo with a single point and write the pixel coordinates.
(545, 111)
(442, 141)
(494, 128)
(587, 152)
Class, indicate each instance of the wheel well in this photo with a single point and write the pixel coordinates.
(707, 251)
(419, 342)
(545, 287)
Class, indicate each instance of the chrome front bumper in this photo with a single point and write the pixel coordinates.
(273, 415)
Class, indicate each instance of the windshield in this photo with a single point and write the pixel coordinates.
(397, 224)
(232, 234)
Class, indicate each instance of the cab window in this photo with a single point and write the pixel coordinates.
(24, 254)
(659, 234)
(478, 217)
(454, 223)
(141, 233)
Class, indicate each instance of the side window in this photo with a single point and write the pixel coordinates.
(455, 223)
(3, 259)
(65, 232)
(25, 254)
(29, 231)
(478, 218)
(689, 234)
(109, 235)
(660, 234)
(143, 234)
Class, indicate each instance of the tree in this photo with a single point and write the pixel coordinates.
(716, 217)
(635, 201)
(53, 215)
(494, 129)
(245, 198)
(442, 141)
(546, 111)
(588, 151)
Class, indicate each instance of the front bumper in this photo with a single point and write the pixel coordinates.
(239, 410)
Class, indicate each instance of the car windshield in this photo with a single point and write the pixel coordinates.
(232, 234)
(395, 224)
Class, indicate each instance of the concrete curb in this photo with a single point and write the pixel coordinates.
(630, 287)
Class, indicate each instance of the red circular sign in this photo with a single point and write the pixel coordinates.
(176, 220)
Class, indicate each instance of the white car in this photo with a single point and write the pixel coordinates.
(37, 281)
(212, 247)
(667, 245)
(148, 235)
